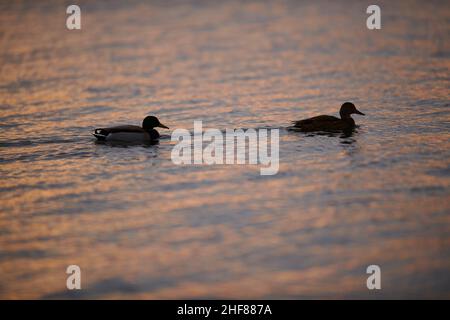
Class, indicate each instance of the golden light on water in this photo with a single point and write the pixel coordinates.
(141, 227)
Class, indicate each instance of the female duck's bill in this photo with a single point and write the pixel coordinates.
(330, 123)
(130, 133)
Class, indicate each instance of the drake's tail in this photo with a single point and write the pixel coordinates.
(100, 134)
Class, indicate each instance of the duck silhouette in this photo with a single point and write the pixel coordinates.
(131, 133)
(330, 123)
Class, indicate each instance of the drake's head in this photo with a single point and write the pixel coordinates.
(151, 122)
(347, 109)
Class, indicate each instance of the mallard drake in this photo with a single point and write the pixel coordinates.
(330, 123)
(130, 133)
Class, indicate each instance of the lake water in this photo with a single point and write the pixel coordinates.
(140, 226)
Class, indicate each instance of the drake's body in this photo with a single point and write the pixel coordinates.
(131, 133)
(330, 123)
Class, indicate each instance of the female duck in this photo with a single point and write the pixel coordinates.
(130, 133)
(330, 123)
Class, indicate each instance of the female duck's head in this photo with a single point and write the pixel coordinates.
(151, 122)
(347, 109)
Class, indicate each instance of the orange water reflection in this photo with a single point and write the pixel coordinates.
(141, 227)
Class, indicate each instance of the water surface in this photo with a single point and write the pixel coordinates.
(141, 227)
